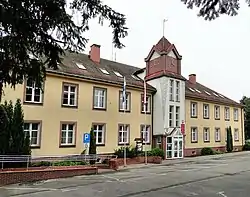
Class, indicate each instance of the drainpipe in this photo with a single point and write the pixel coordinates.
(242, 123)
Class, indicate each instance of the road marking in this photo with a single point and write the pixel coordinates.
(110, 177)
(222, 193)
(69, 190)
(30, 188)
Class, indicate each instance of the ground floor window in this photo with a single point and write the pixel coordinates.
(67, 134)
(33, 130)
(123, 134)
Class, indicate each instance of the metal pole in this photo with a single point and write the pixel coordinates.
(145, 129)
(125, 160)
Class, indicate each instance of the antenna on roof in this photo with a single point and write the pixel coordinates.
(115, 56)
(163, 30)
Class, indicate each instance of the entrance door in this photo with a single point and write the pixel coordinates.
(178, 147)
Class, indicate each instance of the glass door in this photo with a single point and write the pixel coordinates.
(178, 147)
(169, 147)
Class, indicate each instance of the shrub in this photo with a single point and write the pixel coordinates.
(207, 151)
(246, 146)
(130, 152)
(156, 152)
(41, 163)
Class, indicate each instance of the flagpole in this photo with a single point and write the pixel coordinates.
(124, 110)
(145, 114)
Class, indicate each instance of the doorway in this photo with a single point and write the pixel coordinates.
(174, 146)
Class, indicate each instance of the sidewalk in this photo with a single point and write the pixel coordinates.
(176, 161)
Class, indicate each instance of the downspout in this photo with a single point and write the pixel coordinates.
(242, 123)
(152, 119)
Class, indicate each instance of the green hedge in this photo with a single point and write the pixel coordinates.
(207, 151)
(58, 163)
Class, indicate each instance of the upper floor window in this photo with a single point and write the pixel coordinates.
(227, 113)
(217, 112)
(99, 133)
(33, 129)
(124, 106)
(217, 134)
(194, 134)
(236, 114)
(177, 116)
(194, 110)
(177, 96)
(171, 116)
(69, 95)
(205, 111)
(146, 108)
(33, 93)
(100, 98)
(123, 134)
(171, 90)
(68, 133)
(206, 134)
(145, 133)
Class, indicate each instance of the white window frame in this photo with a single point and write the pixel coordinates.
(125, 129)
(194, 109)
(236, 114)
(145, 133)
(217, 135)
(100, 129)
(177, 91)
(148, 104)
(205, 111)
(30, 130)
(236, 135)
(227, 113)
(217, 112)
(171, 116)
(177, 116)
(171, 90)
(69, 92)
(194, 134)
(67, 131)
(127, 104)
(100, 93)
(206, 134)
(33, 88)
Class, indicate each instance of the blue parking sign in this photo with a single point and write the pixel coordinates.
(86, 138)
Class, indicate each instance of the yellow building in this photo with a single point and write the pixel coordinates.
(86, 91)
(208, 115)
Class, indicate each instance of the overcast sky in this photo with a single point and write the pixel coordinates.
(216, 51)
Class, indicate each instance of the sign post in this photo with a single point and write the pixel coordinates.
(183, 128)
(86, 141)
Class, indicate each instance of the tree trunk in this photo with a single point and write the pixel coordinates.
(1, 91)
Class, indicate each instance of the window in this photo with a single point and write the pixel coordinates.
(227, 113)
(99, 132)
(145, 133)
(104, 71)
(80, 65)
(33, 130)
(177, 96)
(171, 90)
(148, 104)
(67, 134)
(205, 111)
(33, 93)
(194, 110)
(117, 74)
(100, 98)
(69, 95)
(123, 134)
(217, 112)
(127, 103)
(177, 116)
(171, 116)
(236, 135)
(217, 134)
(206, 134)
(194, 134)
(236, 114)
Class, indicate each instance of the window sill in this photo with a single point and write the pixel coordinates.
(194, 116)
(32, 103)
(99, 109)
(146, 143)
(236, 120)
(143, 112)
(122, 144)
(217, 140)
(69, 106)
(35, 147)
(124, 111)
(100, 144)
(227, 119)
(217, 118)
(67, 146)
(194, 142)
(207, 141)
(206, 118)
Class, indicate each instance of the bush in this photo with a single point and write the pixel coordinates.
(207, 151)
(156, 152)
(59, 163)
(130, 152)
(246, 146)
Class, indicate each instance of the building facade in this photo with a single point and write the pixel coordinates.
(181, 116)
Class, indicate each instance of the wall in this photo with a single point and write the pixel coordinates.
(200, 122)
(51, 113)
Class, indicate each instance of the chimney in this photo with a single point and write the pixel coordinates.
(192, 78)
(94, 53)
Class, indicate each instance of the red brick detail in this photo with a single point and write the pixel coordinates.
(94, 53)
(139, 160)
(189, 152)
(192, 78)
(113, 164)
(164, 145)
(22, 176)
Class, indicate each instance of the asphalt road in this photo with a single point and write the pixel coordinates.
(217, 177)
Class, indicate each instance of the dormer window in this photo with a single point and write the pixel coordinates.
(118, 74)
(135, 77)
(80, 65)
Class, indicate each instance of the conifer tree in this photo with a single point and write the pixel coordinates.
(92, 144)
(229, 140)
(4, 137)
